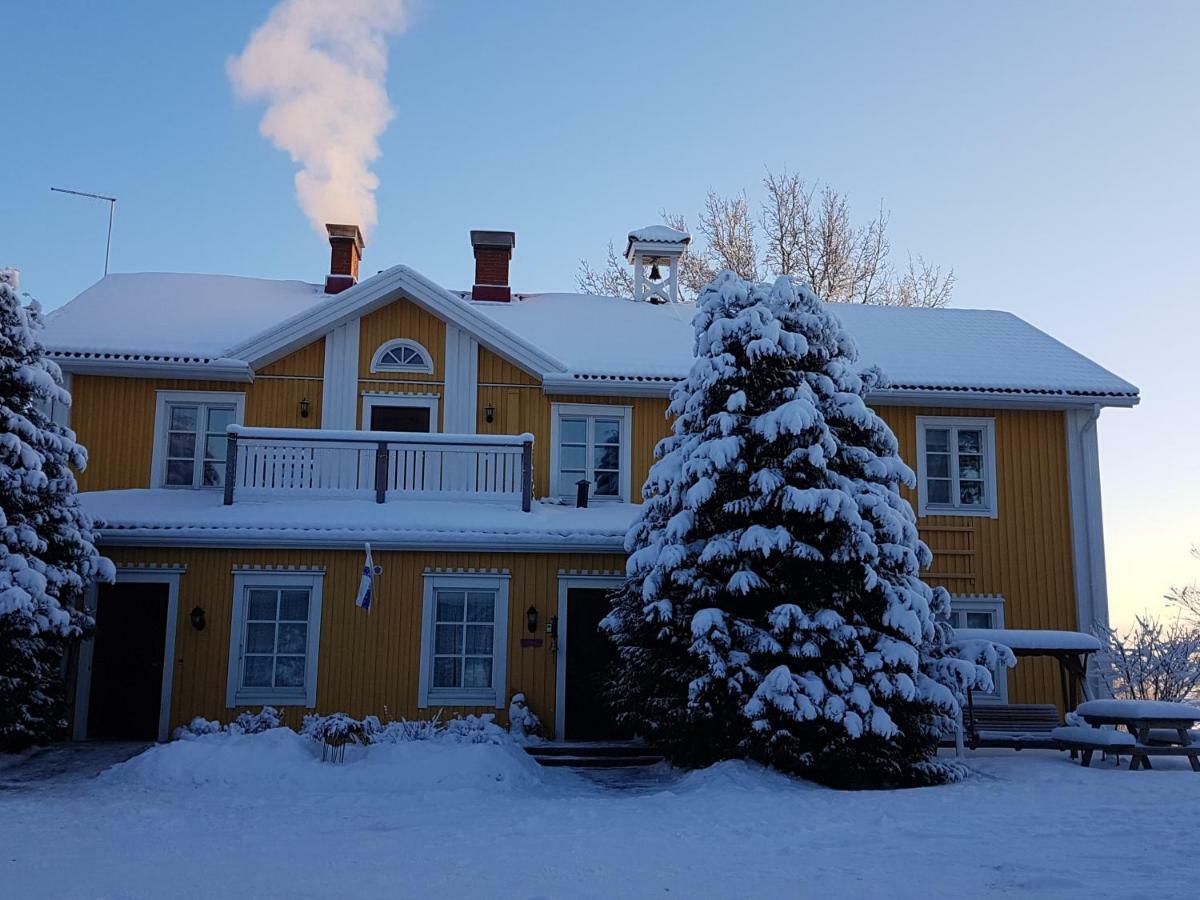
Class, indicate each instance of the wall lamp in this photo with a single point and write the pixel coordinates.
(197, 617)
(304, 407)
(489, 414)
(531, 619)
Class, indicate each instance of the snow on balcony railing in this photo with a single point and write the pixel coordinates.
(385, 465)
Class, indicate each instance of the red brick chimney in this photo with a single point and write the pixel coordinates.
(345, 251)
(493, 250)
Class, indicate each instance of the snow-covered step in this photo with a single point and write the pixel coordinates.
(594, 755)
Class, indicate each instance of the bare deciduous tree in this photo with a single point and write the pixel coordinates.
(806, 231)
(1152, 661)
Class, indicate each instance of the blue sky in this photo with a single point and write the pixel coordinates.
(1046, 152)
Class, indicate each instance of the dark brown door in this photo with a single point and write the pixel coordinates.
(400, 418)
(127, 661)
(590, 654)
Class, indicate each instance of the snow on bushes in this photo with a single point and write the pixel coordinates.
(773, 605)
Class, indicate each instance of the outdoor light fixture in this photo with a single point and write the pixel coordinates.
(489, 414)
(304, 408)
(198, 618)
(531, 617)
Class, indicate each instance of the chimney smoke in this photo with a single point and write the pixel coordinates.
(321, 67)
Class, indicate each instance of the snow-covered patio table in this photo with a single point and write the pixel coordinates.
(1140, 717)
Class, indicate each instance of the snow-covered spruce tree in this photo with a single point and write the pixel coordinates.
(773, 606)
(47, 552)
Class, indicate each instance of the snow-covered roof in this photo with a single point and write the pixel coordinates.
(1032, 639)
(193, 518)
(167, 315)
(610, 339)
(663, 234)
(570, 339)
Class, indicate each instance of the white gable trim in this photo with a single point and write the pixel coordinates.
(339, 386)
(462, 381)
(378, 291)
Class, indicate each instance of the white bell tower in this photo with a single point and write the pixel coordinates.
(650, 249)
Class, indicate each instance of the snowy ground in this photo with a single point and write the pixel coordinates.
(261, 817)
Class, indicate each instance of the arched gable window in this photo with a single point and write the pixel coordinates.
(402, 355)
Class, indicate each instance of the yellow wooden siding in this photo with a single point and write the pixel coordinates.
(1025, 554)
(367, 663)
(495, 369)
(307, 362)
(521, 409)
(401, 319)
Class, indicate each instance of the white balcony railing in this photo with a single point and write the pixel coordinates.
(383, 465)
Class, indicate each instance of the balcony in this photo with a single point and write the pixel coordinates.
(269, 463)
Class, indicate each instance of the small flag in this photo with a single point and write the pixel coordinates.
(366, 585)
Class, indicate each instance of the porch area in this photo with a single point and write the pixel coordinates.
(305, 463)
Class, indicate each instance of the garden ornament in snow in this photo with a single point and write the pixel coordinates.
(522, 723)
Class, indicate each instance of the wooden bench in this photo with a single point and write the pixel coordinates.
(1013, 725)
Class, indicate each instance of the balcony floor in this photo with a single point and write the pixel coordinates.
(144, 517)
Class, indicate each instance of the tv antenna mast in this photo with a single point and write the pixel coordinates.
(112, 205)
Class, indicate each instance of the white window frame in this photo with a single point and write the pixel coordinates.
(243, 580)
(993, 604)
(595, 411)
(988, 428)
(427, 695)
(378, 365)
(163, 400)
(371, 399)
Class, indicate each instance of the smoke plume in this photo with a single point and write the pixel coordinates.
(320, 66)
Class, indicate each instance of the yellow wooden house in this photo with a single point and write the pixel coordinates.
(248, 438)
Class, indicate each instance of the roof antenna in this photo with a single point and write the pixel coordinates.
(112, 205)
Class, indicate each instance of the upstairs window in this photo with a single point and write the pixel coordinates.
(190, 440)
(956, 462)
(591, 443)
(402, 356)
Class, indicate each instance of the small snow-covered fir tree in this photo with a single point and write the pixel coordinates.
(773, 606)
(48, 556)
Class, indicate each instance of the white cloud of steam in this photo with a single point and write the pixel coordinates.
(320, 67)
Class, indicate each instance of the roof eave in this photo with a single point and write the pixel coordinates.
(213, 370)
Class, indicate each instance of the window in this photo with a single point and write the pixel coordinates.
(274, 640)
(982, 611)
(957, 467)
(591, 442)
(464, 641)
(402, 356)
(189, 444)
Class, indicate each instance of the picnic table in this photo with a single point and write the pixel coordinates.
(1159, 728)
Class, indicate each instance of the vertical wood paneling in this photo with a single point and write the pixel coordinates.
(114, 418)
(1025, 553)
(401, 319)
(368, 662)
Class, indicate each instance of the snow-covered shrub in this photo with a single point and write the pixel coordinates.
(337, 729)
(246, 723)
(522, 723)
(48, 556)
(474, 730)
(773, 605)
(255, 723)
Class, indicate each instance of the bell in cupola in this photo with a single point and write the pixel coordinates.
(655, 275)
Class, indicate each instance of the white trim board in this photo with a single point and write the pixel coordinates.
(371, 399)
(339, 384)
(467, 581)
(565, 583)
(83, 674)
(462, 381)
(279, 579)
(1087, 521)
(398, 282)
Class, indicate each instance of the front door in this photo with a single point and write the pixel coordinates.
(590, 655)
(400, 418)
(127, 661)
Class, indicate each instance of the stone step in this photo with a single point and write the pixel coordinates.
(579, 748)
